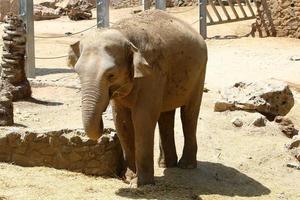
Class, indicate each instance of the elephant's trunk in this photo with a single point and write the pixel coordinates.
(94, 102)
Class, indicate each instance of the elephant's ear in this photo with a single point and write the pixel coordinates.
(141, 67)
(74, 54)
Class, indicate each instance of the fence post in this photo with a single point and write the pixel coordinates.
(102, 13)
(26, 13)
(160, 4)
(146, 4)
(202, 18)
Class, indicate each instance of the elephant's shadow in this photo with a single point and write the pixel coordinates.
(208, 178)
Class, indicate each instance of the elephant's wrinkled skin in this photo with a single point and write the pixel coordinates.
(148, 65)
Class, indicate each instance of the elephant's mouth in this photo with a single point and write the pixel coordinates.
(121, 91)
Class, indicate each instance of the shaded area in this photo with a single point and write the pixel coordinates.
(19, 125)
(46, 71)
(208, 178)
(42, 102)
(226, 37)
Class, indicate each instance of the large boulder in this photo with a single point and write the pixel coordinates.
(47, 3)
(79, 10)
(45, 13)
(270, 98)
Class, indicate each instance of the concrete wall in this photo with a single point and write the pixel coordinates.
(279, 18)
(63, 149)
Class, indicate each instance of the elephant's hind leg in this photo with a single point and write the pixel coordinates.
(167, 157)
(124, 126)
(189, 119)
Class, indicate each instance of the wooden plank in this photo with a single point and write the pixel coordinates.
(211, 3)
(229, 21)
(26, 13)
(224, 9)
(209, 16)
(233, 9)
(250, 7)
(241, 7)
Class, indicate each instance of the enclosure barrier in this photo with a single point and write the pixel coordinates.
(211, 12)
(225, 11)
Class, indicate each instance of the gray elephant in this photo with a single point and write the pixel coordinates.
(148, 65)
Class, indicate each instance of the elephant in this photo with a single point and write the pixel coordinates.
(146, 66)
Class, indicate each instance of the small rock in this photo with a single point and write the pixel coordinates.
(205, 90)
(237, 122)
(294, 165)
(295, 142)
(260, 121)
(136, 11)
(286, 126)
(298, 156)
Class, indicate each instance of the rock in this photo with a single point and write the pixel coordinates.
(44, 13)
(8, 6)
(6, 109)
(205, 90)
(47, 3)
(294, 165)
(270, 98)
(260, 121)
(286, 126)
(298, 156)
(295, 142)
(79, 10)
(237, 122)
(135, 11)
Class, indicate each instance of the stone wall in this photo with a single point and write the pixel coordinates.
(63, 149)
(278, 18)
(7, 6)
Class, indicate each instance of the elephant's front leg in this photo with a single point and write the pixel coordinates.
(145, 114)
(144, 121)
(124, 126)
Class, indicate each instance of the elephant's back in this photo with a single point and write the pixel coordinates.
(159, 35)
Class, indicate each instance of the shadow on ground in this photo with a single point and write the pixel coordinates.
(226, 37)
(208, 178)
(46, 71)
(42, 102)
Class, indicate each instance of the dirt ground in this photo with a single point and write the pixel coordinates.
(233, 163)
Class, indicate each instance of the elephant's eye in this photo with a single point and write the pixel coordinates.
(110, 77)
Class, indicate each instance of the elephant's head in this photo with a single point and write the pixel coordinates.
(107, 64)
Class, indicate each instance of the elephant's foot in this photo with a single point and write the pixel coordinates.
(187, 163)
(164, 163)
(141, 180)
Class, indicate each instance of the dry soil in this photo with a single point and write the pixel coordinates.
(233, 163)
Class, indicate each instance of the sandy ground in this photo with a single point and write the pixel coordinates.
(233, 163)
